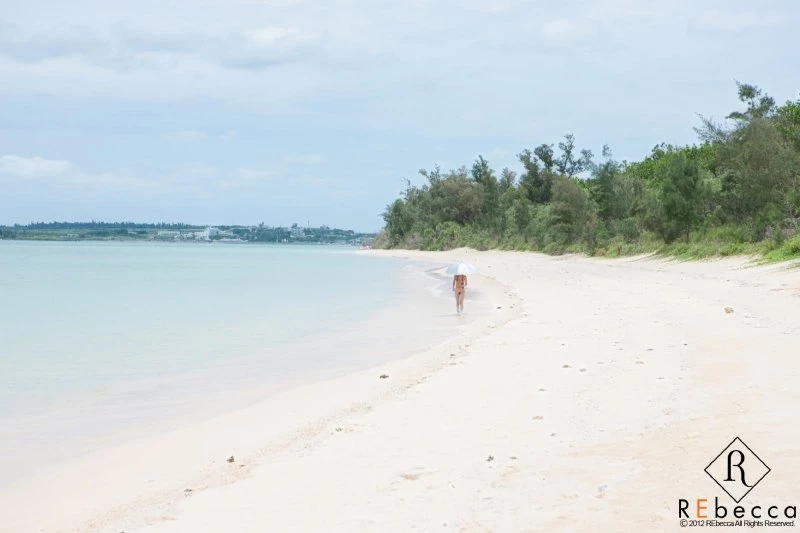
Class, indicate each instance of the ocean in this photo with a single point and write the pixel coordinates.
(106, 341)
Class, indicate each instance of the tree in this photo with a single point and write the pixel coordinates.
(682, 192)
(481, 172)
(602, 186)
(742, 180)
(758, 105)
(536, 183)
(545, 154)
(760, 173)
(521, 214)
(569, 163)
(484, 176)
(602, 190)
(432, 176)
(788, 121)
(508, 179)
(570, 211)
(399, 221)
(455, 197)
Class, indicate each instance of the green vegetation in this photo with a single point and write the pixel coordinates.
(97, 231)
(105, 231)
(736, 192)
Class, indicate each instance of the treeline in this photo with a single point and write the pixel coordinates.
(177, 231)
(92, 230)
(322, 234)
(99, 226)
(736, 191)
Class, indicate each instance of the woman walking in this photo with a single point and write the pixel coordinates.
(460, 288)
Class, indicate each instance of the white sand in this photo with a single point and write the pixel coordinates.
(601, 389)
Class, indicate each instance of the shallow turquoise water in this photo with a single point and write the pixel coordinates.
(88, 320)
(109, 341)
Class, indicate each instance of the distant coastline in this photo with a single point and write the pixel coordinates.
(179, 232)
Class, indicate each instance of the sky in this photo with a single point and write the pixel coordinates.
(249, 111)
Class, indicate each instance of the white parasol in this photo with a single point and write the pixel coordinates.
(461, 269)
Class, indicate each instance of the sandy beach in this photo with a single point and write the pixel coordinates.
(590, 398)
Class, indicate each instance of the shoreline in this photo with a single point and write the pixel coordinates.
(124, 407)
(195, 454)
(591, 400)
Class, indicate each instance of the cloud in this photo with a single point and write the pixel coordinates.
(349, 193)
(304, 159)
(271, 34)
(57, 41)
(33, 167)
(244, 177)
(493, 6)
(36, 171)
(566, 30)
(264, 47)
(191, 174)
(196, 179)
(252, 174)
(124, 47)
(427, 81)
(635, 13)
(322, 182)
(184, 136)
(737, 21)
(500, 153)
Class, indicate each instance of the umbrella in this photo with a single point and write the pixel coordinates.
(461, 269)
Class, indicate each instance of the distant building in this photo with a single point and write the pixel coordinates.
(296, 232)
(207, 233)
(169, 234)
